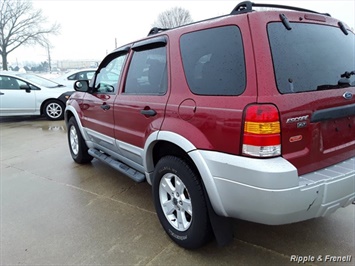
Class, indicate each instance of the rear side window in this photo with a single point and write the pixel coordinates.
(213, 61)
(84, 75)
(311, 57)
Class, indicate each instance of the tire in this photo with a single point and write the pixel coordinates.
(180, 203)
(77, 145)
(54, 110)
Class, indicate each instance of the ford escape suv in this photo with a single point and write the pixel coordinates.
(249, 116)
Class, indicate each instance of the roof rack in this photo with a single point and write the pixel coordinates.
(156, 30)
(247, 6)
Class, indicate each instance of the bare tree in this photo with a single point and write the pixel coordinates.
(21, 24)
(173, 17)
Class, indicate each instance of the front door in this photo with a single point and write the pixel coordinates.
(14, 100)
(97, 106)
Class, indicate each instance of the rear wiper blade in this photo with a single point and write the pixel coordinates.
(347, 74)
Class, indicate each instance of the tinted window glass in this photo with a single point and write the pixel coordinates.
(311, 57)
(213, 61)
(147, 73)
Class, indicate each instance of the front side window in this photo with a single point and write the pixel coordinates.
(10, 83)
(213, 61)
(147, 73)
(108, 78)
(311, 57)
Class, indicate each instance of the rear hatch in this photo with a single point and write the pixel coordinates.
(314, 73)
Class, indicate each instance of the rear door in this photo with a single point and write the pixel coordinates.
(315, 91)
(140, 107)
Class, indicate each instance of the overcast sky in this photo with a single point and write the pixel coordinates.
(89, 27)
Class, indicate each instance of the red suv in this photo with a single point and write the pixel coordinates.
(249, 116)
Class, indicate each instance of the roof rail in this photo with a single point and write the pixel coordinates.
(156, 30)
(247, 6)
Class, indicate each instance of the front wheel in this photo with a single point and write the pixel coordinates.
(77, 145)
(54, 110)
(180, 203)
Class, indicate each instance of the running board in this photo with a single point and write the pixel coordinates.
(119, 166)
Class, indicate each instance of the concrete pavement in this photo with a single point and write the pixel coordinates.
(56, 212)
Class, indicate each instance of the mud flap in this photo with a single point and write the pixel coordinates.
(222, 226)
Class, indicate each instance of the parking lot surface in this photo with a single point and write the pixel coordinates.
(56, 212)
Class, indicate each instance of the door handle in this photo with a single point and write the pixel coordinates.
(149, 112)
(1, 93)
(105, 107)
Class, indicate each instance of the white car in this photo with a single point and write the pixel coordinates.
(29, 94)
(70, 77)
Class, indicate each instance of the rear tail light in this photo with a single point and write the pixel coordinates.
(261, 137)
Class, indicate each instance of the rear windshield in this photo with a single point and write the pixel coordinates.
(311, 57)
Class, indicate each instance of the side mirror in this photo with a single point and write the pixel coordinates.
(81, 85)
(25, 87)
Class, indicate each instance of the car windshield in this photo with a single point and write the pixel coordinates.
(311, 57)
(39, 80)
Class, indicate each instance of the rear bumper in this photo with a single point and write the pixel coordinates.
(269, 191)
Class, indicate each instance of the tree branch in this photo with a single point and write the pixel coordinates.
(173, 17)
(21, 24)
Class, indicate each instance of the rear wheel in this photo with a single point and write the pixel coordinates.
(77, 145)
(180, 203)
